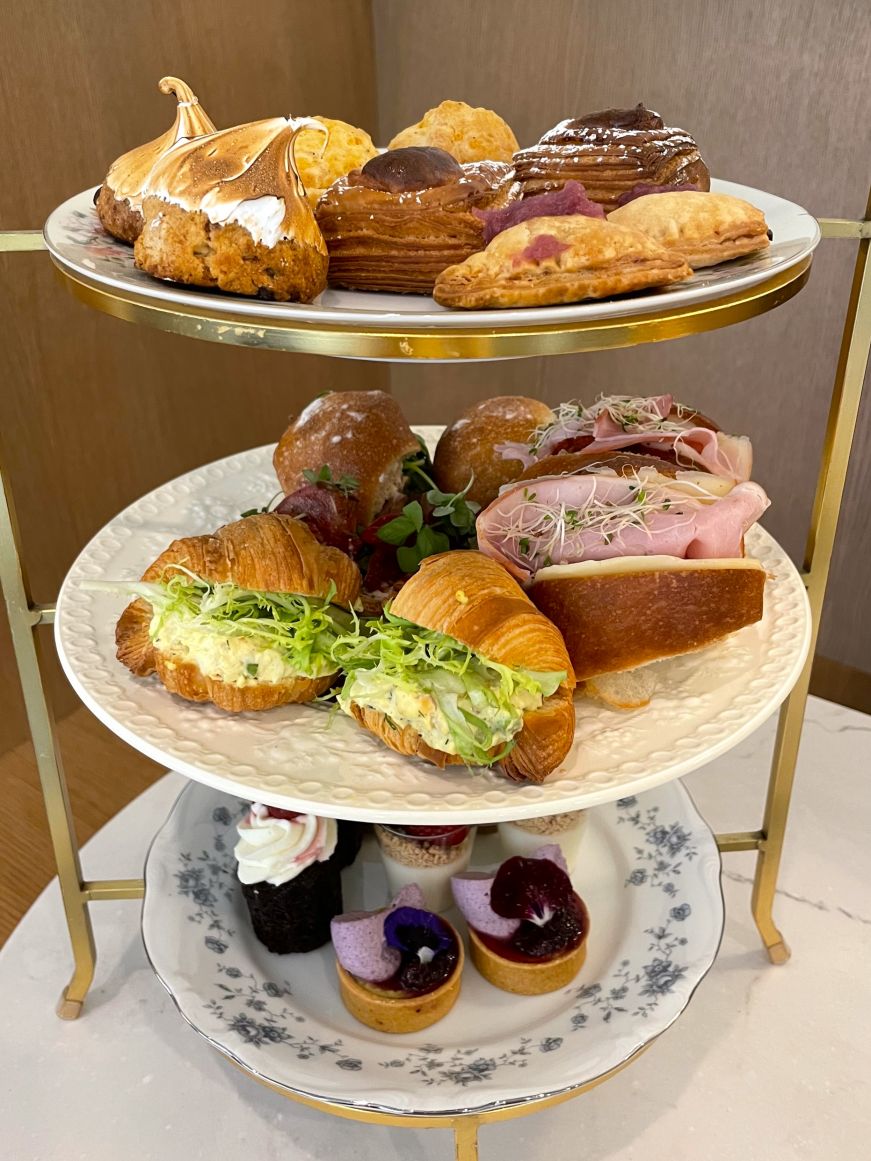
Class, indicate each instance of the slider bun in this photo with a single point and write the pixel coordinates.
(621, 613)
(623, 463)
(470, 597)
(267, 552)
(468, 445)
(362, 434)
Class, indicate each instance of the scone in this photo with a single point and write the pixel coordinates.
(119, 198)
(395, 224)
(558, 260)
(468, 134)
(610, 153)
(227, 211)
(703, 228)
(321, 163)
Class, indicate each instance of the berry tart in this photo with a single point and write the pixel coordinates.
(399, 968)
(527, 926)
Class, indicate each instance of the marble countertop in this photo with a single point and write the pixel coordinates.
(767, 1062)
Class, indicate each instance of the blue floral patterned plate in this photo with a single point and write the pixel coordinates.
(649, 871)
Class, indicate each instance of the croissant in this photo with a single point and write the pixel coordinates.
(468, 597)
(407, 214)
(610, 153)
(266, 553)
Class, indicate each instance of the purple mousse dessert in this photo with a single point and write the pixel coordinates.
(399, 967)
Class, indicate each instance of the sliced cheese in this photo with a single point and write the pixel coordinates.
(621, 565)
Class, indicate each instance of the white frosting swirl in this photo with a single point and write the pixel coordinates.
(276, 850)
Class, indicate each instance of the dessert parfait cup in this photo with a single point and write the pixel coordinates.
(524, 836)
(426, 855)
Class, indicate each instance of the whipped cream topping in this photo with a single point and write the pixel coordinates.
(276, 850)
(128, 175)
(246, 175)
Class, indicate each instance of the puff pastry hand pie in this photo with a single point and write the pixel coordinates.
(557, 260)
(703, 228)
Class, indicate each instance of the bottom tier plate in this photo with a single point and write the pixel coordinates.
(649, 871)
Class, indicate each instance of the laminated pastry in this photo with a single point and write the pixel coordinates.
(289, 868)
(467, 133)
(245, 618)
(546, 261)
(469, 447)
(228, 211)
(703, 228)
(611, 152)
(649, 425)
(340, 461)
(632, 559)
(397, 222)
(119, 198)
(321, 162)
(463, 671)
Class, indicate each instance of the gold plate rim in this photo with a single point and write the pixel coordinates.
(402, 344)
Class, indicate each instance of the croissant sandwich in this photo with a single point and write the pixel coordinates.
(633, 559)
(463, 670)
(245, 618)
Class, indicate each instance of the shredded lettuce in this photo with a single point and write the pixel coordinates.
(458, 701)
(302, 629)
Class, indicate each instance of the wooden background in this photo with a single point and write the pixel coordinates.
(96, 412)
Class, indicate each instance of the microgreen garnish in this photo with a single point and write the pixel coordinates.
(347, 485)
(449, 524)
(276, 499)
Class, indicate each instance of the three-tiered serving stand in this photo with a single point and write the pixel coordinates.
(398, 338)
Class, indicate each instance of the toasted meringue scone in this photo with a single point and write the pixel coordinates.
(469, 446)
(467, 133)
(119, 198)
(319, 164)
(199, 651)
(703, 228)
(466, 602)
(610, 153)
(395, 224)
(556, 260)
(228, 211)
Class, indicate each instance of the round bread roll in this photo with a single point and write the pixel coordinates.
(319, 164)
(469, 444)
(467, 133)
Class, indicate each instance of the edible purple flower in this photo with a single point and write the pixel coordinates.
(417, 933)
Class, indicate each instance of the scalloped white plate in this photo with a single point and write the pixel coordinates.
(77, 242)
(649, 871)
(304, 758)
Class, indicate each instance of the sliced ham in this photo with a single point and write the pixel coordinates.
(602, 515)
(655, 424)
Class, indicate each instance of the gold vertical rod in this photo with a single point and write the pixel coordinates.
(466, 1139)
(42, 731)
(841, 426)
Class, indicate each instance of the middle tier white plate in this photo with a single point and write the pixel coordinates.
(306, 758)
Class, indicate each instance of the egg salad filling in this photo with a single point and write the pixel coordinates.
(459, 702)
(242, 636)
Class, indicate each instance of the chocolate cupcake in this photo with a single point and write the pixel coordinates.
(289, 868)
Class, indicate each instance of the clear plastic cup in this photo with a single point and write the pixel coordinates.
(426, 855)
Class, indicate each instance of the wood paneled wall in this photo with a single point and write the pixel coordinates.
(95, 411)
(777, 96)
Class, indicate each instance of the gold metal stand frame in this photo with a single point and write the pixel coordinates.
(26, 618)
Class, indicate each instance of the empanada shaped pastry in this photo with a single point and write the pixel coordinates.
(703, 228)
(555, 260)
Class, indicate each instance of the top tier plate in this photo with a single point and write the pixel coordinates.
(394, 327)
(303, 758)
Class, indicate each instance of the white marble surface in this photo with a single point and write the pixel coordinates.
(770, 1063)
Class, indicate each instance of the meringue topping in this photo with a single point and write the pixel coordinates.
(246, 174)
(128, 175)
